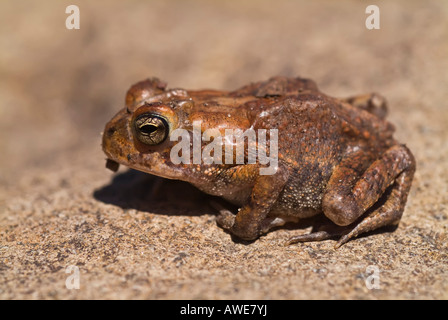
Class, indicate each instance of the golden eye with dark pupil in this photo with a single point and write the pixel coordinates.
(151, 129)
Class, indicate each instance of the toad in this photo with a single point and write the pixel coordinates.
(335, 157)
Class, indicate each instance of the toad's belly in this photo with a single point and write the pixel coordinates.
(298, 199)
(291, 210)
(302, 195)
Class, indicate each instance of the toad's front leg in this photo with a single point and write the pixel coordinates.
(250, 221)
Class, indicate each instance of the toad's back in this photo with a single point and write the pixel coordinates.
(315, 133)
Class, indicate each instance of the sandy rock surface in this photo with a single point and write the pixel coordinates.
(134, 236)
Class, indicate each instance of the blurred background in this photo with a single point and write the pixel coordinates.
(59, 87)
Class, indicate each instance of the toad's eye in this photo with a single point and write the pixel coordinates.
(151, 129)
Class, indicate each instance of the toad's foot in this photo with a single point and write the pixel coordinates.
(226, 219)
(326, 232)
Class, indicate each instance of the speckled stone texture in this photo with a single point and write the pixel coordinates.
(134, 236)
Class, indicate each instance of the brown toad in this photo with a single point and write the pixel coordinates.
(335, 156)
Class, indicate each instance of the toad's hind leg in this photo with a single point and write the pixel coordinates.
(347, 199)
(389, 213)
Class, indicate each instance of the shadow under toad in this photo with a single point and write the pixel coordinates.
(144, 192)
